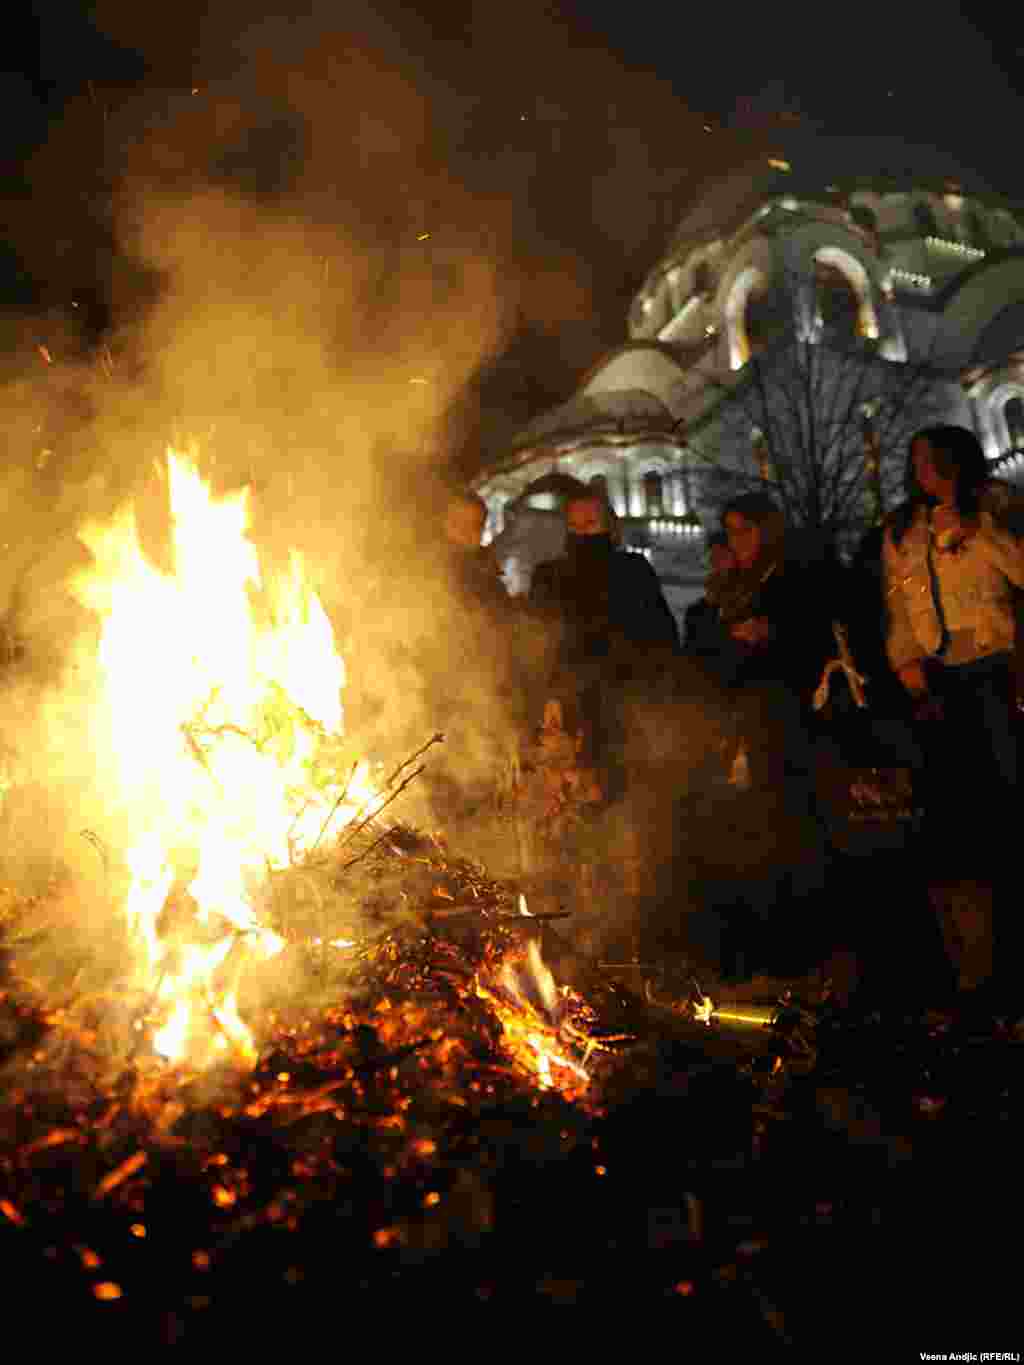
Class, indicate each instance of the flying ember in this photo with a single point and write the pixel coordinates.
(211, 719)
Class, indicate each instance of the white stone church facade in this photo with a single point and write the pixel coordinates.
(928, 270)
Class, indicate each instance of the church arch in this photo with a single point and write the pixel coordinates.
(924, 218)
(1000, 407)
(1013, 418)
(654, 494)
(744, 311)
(843, 291)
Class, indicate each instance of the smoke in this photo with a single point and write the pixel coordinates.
(284, 294)
(343, 261)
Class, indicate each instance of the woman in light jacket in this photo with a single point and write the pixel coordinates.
(953, 555)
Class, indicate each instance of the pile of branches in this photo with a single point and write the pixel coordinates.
(386, 1153)
(387, 1150)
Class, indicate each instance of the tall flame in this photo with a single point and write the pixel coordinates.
(187, 677)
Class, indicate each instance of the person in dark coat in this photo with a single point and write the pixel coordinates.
(702, 635)
(778, 609)
(610, 595)
(617, 628)
(865, 617)
(775, 609)
(616, 644)
(882, 734)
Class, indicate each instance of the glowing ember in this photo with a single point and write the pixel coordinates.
(212, 720)
(703, 1010)
(537, 1028)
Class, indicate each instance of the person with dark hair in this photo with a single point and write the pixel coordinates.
(954, 565)
(609, 597)
(780, 620)
(616, 624)
(775, 610)
(953, 556)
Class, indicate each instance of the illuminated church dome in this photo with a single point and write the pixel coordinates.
(893, 254)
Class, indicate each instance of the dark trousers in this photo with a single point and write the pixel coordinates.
(971, 752)
(778, 842)
(971, 766)
(770, 722)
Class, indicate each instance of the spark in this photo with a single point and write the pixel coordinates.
(120, 1174)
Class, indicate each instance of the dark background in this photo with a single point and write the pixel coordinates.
(571, 137)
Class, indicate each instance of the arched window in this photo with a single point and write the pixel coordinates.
(745, 318)
(836, 298)
(1013, 412)
(843, 293)
(760, 319)
(924, 219)
(653, 495)
(599, 484)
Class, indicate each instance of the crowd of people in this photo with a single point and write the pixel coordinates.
(928, 607)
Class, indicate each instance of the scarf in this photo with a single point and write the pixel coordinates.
(734, 592)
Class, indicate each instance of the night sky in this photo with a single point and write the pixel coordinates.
(594, 126)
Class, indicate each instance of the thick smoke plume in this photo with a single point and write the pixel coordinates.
(312, 252)
(308, 351)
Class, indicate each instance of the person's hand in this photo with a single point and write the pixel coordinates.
(913, 678)
(752, 632)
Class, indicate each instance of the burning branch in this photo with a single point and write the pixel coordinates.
(373, 815)
(437, 738)
(334, 809)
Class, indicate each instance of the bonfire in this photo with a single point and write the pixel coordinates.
(327, 1031)
(214, 722)
(219, 741)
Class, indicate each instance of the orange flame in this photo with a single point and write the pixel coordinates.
(537, 1031)
(187, 677)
